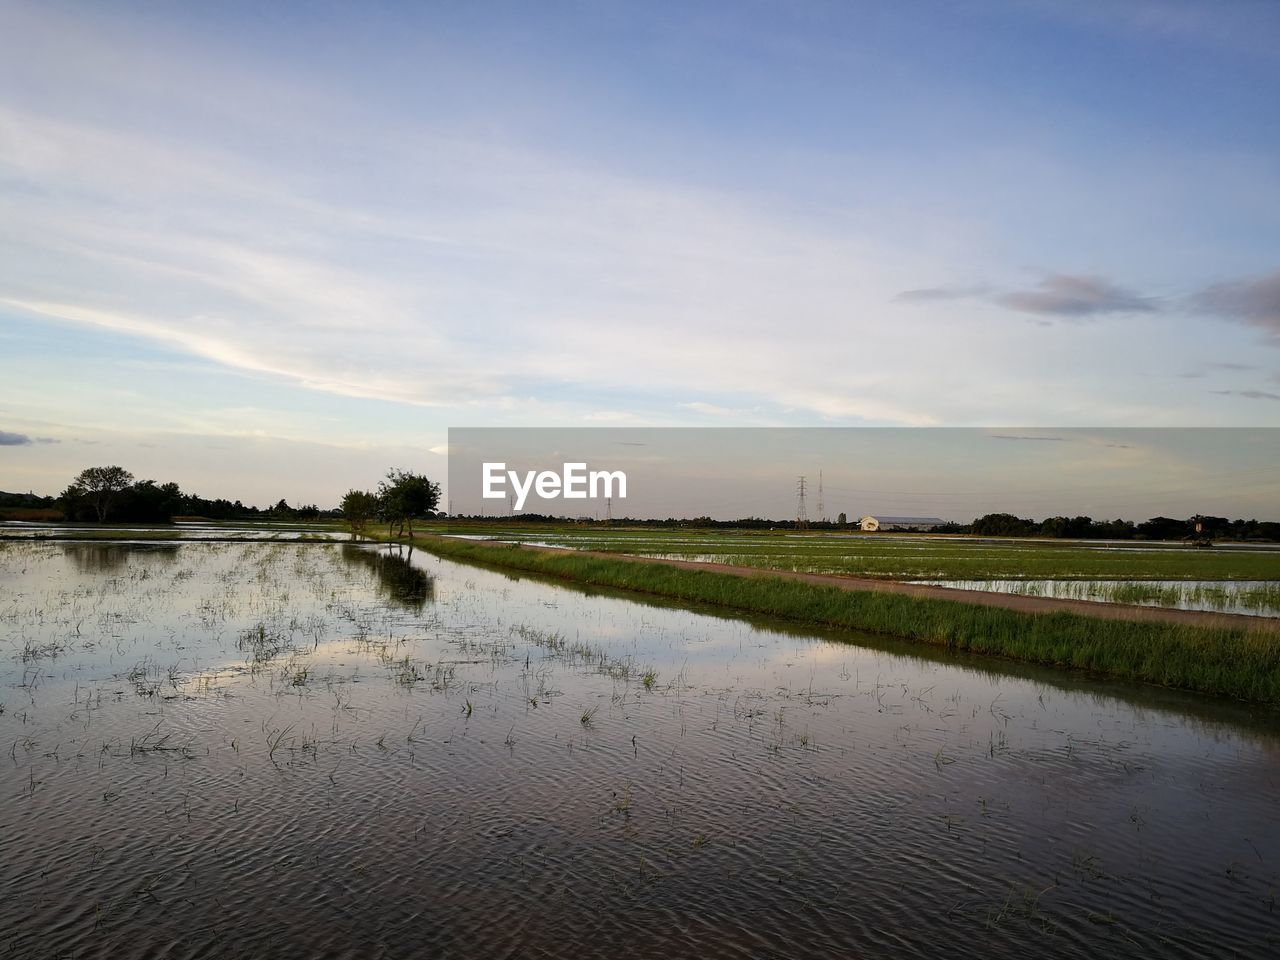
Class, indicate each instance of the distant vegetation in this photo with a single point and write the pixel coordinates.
(990, 525)
(111, 494)
(1157, 528)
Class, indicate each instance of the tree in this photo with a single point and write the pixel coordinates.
(358, 508)
(1003, 525)
(842, 520)
(405, 497)
(100, 485)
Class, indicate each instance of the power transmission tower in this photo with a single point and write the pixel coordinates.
(608, 509)
(802, 515)
(822, 510)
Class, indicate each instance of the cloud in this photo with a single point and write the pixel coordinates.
(1248, 394)
(714, 409)
(1204, 369)
(1255, 301)
(1009, 436)
(940, 294)
(1061, 295)
(1075, 297)
(9, 439)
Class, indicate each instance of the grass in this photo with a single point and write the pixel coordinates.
(1226, 662)
(1259, 596)
(913, 558)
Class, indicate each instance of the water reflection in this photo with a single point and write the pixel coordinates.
(399, 581)
(528, 769)
(89, 557)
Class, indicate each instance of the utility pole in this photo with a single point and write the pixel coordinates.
(822, 510)
(802, 515)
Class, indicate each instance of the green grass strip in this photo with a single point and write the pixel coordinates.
(1225, 662)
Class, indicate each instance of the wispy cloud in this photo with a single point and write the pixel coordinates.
(1013, 436)
(10, 439)
(941, 294)
(1255, 300)
(1061, 296)
(1204, 369)
(1248, 394)
(714, 409)
(1075, 297)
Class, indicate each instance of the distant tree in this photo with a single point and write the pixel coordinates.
(149, 502)
(842, 520)
(1002, 525)
(100, 486)
(1163, 528)
(405, 497)
(358, 508)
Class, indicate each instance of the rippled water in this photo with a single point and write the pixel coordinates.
(327, 749)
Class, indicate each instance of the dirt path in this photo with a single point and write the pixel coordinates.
(983, 598)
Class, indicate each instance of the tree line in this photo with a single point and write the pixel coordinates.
(1197, 527)
(113, 494)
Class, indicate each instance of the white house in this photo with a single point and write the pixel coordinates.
(872, 524)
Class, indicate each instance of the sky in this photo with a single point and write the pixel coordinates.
(271, 250)
(944, 473)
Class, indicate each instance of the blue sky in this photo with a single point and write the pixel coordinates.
(270, 253)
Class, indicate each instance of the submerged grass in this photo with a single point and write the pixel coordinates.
(1225, 662)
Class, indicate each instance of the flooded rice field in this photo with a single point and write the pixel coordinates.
(306, 749)
(1249, 597)
(184, 530)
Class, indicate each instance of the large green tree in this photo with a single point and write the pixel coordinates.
(100, 486)
(358, 508)
(405, 497)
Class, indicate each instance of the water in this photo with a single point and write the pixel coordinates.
(186, 530)
(300, 750)
(1248, 597)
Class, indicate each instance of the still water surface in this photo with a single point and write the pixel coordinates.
(302, 750)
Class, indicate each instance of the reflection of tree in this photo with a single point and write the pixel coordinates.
(90, 557)
(398, 579)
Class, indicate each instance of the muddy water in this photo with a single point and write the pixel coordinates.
(279, 749)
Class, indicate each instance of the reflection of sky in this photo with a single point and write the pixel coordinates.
(926, 774)
(189, 604)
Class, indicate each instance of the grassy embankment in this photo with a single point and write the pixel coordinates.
(1225, 662)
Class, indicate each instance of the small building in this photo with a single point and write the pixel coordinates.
(874, 524)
